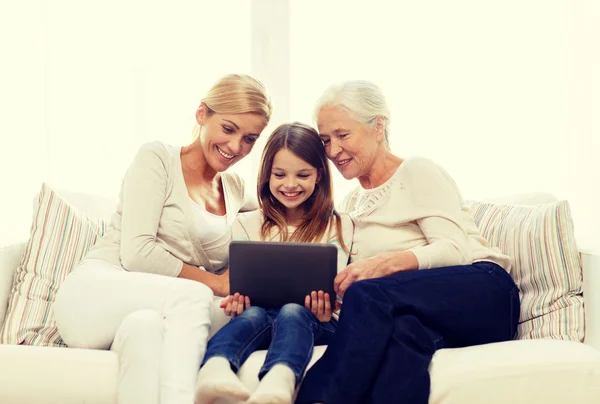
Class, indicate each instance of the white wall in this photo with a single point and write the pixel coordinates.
(85, 83)
(23, 158)
(581, 157)
(505, 95)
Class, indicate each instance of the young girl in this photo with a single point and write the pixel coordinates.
(296, 204)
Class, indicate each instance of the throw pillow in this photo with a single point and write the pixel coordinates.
(546, 264)
(60, 238)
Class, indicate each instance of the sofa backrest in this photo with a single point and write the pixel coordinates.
(526, 199)
(97, 206)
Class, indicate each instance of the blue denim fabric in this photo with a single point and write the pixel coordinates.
(290, 334)
(390, 327)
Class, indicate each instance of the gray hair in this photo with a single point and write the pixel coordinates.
(362, 99)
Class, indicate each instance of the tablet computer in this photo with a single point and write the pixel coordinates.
(273, 274)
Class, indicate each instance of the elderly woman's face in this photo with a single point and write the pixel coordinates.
(349, 144)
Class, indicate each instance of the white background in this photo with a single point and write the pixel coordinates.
(504, 94)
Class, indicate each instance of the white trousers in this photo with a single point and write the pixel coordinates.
(158, 325)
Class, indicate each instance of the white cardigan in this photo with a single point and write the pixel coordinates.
(419, 209)
(152, 226)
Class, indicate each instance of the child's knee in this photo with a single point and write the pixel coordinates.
(293, 310)
(254, 313)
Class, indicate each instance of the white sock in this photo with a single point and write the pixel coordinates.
(217, 380)
(276, 387)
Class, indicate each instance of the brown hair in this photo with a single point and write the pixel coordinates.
(303, 141)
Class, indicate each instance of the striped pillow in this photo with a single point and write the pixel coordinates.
(546, 264)
(60, 237)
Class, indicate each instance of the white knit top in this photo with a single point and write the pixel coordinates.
(418, 209)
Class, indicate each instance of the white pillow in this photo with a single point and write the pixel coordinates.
(546, 264)
(60, 238)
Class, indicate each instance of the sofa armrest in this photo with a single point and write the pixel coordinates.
(590, 260)
(9, 261)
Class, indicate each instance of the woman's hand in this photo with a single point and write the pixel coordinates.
(377, 266)
(219, 284)
(235, 305)
(319, 304)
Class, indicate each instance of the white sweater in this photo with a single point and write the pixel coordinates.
(153, 227)
(418, 209)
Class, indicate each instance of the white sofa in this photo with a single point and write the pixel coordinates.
(538, 371)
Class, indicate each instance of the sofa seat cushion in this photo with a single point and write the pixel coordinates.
(527, 371)
(42, 375)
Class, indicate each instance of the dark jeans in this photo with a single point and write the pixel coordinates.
(290, 334)
(390, 328)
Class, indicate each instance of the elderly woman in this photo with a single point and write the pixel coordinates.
(421, 276)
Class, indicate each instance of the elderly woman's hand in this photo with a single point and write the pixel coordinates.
(374, 267)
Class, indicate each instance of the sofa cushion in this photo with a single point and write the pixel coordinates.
(543, 371)
(60, 237)
(9, 261)
(42, 375)
(546, 264)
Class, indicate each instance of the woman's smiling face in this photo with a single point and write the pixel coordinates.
(228, 138)
(351, 145)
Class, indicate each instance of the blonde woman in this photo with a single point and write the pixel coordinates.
(146, 288)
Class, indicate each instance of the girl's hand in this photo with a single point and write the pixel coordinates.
(235, 305)
(319, 304)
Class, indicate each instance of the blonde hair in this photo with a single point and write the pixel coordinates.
(362, 99)
(238, 94)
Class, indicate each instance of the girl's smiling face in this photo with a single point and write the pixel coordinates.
(292, 182)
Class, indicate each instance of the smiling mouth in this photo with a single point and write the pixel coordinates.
(291, 194)
(342, 162)
(222, 153)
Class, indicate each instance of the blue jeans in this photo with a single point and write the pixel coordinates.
(390, 327)
(290, 334)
